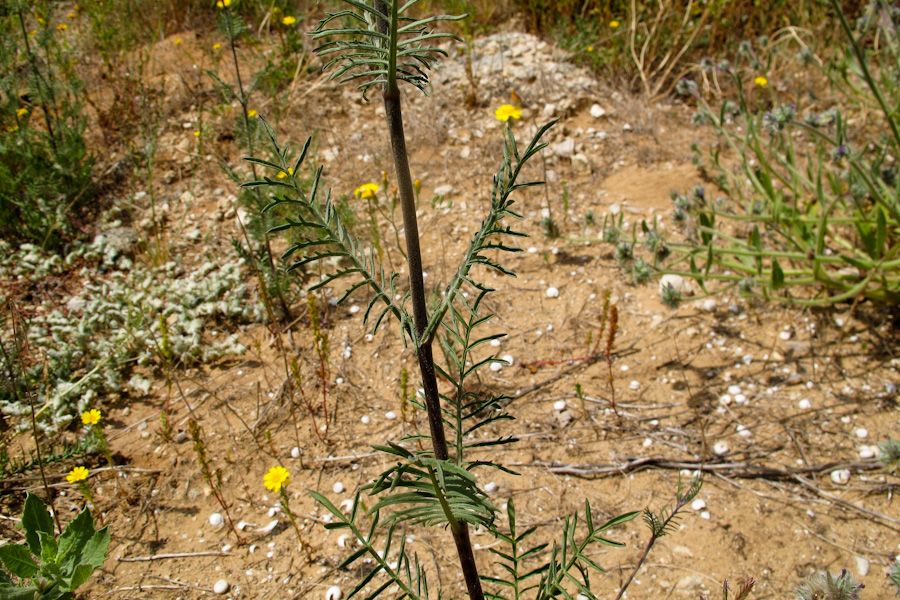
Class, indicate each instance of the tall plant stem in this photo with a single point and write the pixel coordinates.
(394, 116)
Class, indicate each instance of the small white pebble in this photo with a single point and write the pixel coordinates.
(295, 452)
(840, 476)
(624, 367)
(862, 433)
(216, 519)
(725, 399)
(338, 487)
(635, 385)
(710, 305)
(354, 309)
(552, 292)
(743, 431)
(226, 548)
(490, 487)
(252, 548)
(559, 405)
(698, 504)
(366, 419)
(866, 452)
(647, 442)
(334, 593)
(221, 587)
(369, 337)
(740, 398)
(804, 404)
(721, 448)
(496, 366)
(390, 415)
(734, 389)
(495, 343)
(532, 250)
(705, 515)
(785, 335)
(508, 358)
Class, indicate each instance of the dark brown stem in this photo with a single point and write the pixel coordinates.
(394, 116)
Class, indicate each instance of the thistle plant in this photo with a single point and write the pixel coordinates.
(377, 45)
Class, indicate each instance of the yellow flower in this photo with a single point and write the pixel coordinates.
(282, 174)
(12, 128)
(590, 48)
(761, 81)
(366, 191)
(90, 417)
(276, 478)
(613, 24)
(216, 46)
(219, 4)
(72, 15)
(508, 111)
(197, 134)
(21, 112)
(62, 26)
(251, 113)
(77, 474)
(40, 20)
(289, 20)
(32, 32)
(177, 41)
(226, 2)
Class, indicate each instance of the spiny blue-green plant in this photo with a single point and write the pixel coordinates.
(825, 586)
(378, 45)
(49, 567)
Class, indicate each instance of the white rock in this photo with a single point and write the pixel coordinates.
(725, 399)
(705, 515)
(840, 476)
(635, 385)
(698, 504)
(862, 566)
(626, 127)
(721, 448)
(338, 487)
(710, 305)
(443, 190)
(743, 431)
(597, 111)
(390, 415)
(866, 452)
(508, 358)
(226, 548)
(679, 283)
(496, 366)
(734, 389)
(495, 343)
(295, 452)
(366, 419)
(216, 519)
(268, 528)
(785, 335)
(804, 404)
(552, 292)
(862, 433)
(740, 398)
(354, 309)
(490, 487)
(647, 442)
(564, 149)
(559, 405)
(221, 587)
(334, 593)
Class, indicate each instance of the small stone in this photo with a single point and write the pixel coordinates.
(804, 404)
(338, 487)
(490, 487)
(216, 519)
(862, 433)
(559, 405)
(552, 292)
(495, 343)
(785, 335)
(698, 504)
(721, 448)
(221, 587)
(840, 476)
(866, 452)
(862, 566)
(710, 305)
(740, 398)
(496, 366)
(366, 419)
(564, 149)
(508, 358)
(678, 283)
(734, 389)
(390, 415)
(180, 437)
(295, 452)
(705, 515)
(635, 385)
(354, 309)
(597, 111)
(743, 431)
(443, 190)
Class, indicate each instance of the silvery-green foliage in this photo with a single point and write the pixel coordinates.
(890, 454)
(381, 39)
(115, 322)
(825, 586)
(894, 576)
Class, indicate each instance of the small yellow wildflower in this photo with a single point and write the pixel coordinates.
(507, 112)
(289, 20)
(77, 474)
(590, 48)
(613, 24)
(761, 81)
(62, 26)
(177, 41)
(32, 32)
(366, 191)
(251, 113)
(276, 478)
(72, 15)
(12, 128)
(196, 134)
(21, 112)
(226, 2)
(282, 174)
(91, 417)
(216, 46)
(41, 21)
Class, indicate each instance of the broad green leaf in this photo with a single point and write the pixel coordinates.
(79, 576)
(95, 550)
(76, 535)
(48, 548)
(11, 592)
(18, 560)
(35, 518)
